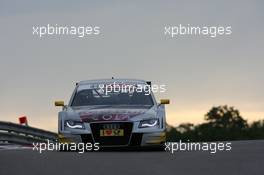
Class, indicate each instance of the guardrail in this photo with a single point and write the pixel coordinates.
(15, 133)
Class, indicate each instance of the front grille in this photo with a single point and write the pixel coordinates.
(112, 140)
(87, 138)
(136, 139)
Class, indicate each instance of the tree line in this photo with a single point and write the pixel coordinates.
(222, 123)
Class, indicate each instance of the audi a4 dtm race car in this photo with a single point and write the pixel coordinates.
(113, 113)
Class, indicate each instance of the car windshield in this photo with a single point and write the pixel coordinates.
(88, 97)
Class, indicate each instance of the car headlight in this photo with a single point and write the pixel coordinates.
(74, 124)
(149, 123)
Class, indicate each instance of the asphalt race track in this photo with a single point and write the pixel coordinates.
(246, 157)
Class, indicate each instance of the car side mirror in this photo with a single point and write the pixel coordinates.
(59, 103)
(164, 101)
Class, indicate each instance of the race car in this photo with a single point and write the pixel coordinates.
(113, 113)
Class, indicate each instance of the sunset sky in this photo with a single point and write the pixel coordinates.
(199, 72)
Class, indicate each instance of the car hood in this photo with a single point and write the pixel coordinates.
(113, 113)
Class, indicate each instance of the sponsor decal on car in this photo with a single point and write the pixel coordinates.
(109, 115)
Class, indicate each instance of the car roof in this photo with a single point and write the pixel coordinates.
(103, 81)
